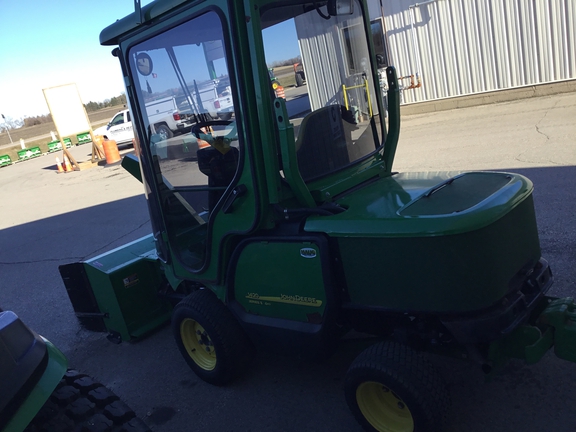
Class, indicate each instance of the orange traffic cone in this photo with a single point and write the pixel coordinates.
(280, 92)
(59, 166)
(202, 144)
(111, 151)
(67, 164)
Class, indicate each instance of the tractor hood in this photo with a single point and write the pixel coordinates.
(424, 205)
(405, 242)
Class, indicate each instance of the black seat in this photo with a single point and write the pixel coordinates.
(321, 145)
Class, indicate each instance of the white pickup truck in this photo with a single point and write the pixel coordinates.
(118, 129)
(163, 114)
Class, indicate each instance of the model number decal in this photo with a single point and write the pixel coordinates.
(130, 280)
(284, 298)
(308, 252)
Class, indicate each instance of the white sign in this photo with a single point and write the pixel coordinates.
(67, 110)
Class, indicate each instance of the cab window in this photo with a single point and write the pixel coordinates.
(182, 76)
(330, 94)
(119, 119)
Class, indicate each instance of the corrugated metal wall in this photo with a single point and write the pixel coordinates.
(321, 46)
(463, 47)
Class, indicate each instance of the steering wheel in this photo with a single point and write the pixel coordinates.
(206, 124)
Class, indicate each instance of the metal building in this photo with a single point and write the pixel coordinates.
(449, 48)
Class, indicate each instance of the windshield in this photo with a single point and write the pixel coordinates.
(327, 84)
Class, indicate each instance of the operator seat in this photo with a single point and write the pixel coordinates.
(321, 145)
(220, 169)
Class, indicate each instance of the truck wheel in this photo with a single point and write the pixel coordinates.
(225, 116)
(81, 404)
(164, 132)
(211, 340)
(299, 80)
(391, 388)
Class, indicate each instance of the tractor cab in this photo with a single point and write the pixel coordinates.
(229, 177)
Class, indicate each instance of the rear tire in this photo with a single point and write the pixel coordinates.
(80, 404)
(209, 338)
(391, 388)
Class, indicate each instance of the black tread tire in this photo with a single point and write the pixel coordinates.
(299, 80)
(409, 375)
(80, 404)
(232, 346)
(164, 130)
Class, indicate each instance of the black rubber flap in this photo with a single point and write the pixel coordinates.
(81, 296)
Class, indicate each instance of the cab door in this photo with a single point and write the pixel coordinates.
(200, 187)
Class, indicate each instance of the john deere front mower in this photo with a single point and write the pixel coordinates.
(287, 227)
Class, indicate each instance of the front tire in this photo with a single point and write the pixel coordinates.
(391, 388)
(209, 338)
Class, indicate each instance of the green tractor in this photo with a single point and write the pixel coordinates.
(290, 230)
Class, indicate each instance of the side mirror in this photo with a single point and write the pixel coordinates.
(340, 7)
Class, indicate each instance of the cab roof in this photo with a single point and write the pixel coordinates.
(112, 34)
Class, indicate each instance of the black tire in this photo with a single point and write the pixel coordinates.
(164, 131)
(389, 387)
(226, 116)
(299, 80)
(80, 404)
(210, 339)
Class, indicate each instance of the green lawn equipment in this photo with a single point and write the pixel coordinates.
(39, 393)
(288, 230)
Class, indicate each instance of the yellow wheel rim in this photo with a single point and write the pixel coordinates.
(383, 409)
(198, 344)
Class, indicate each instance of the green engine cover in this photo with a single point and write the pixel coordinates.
(438, 243)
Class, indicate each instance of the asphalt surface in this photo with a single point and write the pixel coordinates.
(48, 219)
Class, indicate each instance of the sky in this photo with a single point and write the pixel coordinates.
(45, 44)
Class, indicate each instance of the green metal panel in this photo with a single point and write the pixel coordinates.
(281, 280)
(55, 370)
(5, 160)
(125, 282)
(441, 273)
(54, 146)
(30, 153)
(84, 138)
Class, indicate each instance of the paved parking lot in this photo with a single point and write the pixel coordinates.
(48, 219)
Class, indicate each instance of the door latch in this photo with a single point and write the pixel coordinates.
(238, 191)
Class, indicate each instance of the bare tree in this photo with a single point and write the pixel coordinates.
(9, 123)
